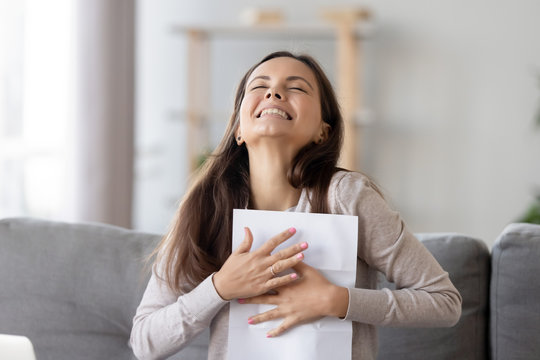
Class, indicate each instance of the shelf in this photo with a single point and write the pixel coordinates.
(343, 27)
(360, 117)
(309, 32)
(182, 115)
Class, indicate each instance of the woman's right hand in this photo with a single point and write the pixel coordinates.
(250, 273)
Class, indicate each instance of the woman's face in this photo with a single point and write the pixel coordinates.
(281, 104)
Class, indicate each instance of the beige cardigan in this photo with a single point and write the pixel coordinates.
(165, 322)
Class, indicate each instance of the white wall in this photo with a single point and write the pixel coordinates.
(452, 85)
(454, 88)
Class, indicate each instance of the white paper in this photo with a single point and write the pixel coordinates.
(332, 250)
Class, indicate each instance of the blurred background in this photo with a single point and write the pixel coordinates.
(98, 101)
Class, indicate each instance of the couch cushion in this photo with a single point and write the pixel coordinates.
(467, 262)
(71, 288)
(515, 293)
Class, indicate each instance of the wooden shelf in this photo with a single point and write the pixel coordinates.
(342, 26)
(242, 32)
(362, 117)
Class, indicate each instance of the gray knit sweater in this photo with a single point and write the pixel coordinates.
(165, 321)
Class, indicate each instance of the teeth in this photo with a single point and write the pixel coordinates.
(281, 113)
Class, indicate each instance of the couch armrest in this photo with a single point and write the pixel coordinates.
(515, 293)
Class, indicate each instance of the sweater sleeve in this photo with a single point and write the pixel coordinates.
(164, 322)
(424, 295)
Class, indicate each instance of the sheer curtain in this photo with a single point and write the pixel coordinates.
(105, 93)
(66, 109)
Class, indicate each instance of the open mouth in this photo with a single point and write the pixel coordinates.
(275, 111)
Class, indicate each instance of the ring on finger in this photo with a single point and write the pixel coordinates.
(272, 270)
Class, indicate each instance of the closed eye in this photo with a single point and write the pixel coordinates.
(258, 87)
(298, 89)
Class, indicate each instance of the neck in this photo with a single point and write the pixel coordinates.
(270, 189)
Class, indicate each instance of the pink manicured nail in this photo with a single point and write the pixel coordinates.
(250, 321)
(241, 301)
(303, 245)
(300, 256)
(292, 230)
(268, 335)
(294, 276)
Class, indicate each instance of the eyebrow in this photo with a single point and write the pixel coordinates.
(289, 78)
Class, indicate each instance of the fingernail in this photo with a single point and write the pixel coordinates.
(250, 321)
(303, 245)
(294, 276)
(268, 335)
(241, 301)
(292, 230)
(300, 256)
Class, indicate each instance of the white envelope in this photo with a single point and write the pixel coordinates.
(332, 250)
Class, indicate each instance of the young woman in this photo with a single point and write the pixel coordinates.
(280, 152)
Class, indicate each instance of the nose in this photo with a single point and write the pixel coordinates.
(272, 92)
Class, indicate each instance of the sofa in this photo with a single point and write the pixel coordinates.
(73, 289)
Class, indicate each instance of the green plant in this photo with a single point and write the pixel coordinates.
(532, 215)
(202, 156)
(538, 110)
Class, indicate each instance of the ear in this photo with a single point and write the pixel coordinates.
(238, 137)
(325, 129)
(323, 133)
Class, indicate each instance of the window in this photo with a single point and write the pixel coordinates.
(36, 108)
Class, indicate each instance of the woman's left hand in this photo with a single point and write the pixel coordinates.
(307, 299)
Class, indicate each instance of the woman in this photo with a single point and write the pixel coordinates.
(279, 152)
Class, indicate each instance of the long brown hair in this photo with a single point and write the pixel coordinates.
(199, 240)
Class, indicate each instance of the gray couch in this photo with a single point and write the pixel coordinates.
(73, 290)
